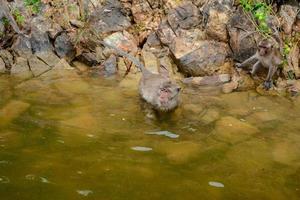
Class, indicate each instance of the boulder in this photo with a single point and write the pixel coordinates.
(21, 70)
(122, 40)
(40, 41)
(37, 66)
(2, 66)
(22, 46)
(63, 47)
(241, 42)
(216, 17)
(109, 18)
(7, 58)
(110, 66)
(288, 16)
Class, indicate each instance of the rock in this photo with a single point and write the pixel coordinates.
(12, 111)
(185, 16)
(193, 108)
(54, 30)
(40, 41)
(245, 82)
(48, 57)
(208, 80)
(63, 47)
(7, 58)
(181, 152)
(262, 116)
(81, 66)
(288, 15)
(210, 116)
(232, 130)
(205, 60)
(73, 11)
(2, 66)
(2, 29)
(37, 66)
(284, 152)
(77, 23)
(110, 66)
(21, 69)
(122, 40)
(150, 61)
(242, 44)
(22, 47)
(217, 15)
(109, 18)
(89, 59)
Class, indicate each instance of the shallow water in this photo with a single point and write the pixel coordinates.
(87, 138)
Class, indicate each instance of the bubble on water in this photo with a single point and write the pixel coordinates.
(61, 141)
(4, 179)
(85, 192)
(139, 148)
(164, 133)
(91, 135)
(30, 177)
(216, 184)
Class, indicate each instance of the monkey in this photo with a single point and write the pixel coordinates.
(4, 12)
(268, 56)
(157, 90)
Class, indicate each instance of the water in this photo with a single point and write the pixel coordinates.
(72, 137)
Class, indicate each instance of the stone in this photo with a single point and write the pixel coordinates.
(21, 69)
(204, 61)
(242, 44)
(210, 116)
(63, 47)
(7, 58)
(208, 80)
(2, 29)
(22, 46)
(217, 15)
(37, 66)
(12, 111)
(2, 66)
(48, 57)
(109, 18)
(185, 16)
(150, 61)
(180, 152)
(232, 130)
(40, 41)
(288, 15)
(122, 40)
(89, 59)
(110, 66)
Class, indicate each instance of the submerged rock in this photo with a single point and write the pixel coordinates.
(232, 130)
(12, 111)
(21, 69)
(37, 67)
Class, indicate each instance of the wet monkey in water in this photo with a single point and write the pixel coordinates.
(157, 90)
(268, 56)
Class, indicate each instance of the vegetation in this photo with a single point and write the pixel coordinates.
(20, 19)
(33, 5)
(259, 12)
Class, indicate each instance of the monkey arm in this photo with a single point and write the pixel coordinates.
(268, 82)
(247, 62)
(256, 66)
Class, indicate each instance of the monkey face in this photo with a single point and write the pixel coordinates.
(168, 96)
(264, 50)
(265, 47)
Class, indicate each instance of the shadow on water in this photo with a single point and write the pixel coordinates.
(87, 138)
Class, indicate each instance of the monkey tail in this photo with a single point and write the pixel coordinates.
(120, 52)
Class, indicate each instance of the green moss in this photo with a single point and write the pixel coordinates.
(33, 5)
(20, 19)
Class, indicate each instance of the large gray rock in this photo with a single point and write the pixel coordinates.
(40, 41)
(241, 42)
(217, 14)
(109, 18)
(185, 16)
(63, 47)
(288, 15)
(21, 69)
(22, 46)
(110, 66)
(2, 66)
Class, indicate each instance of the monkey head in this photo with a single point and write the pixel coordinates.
(265, 47)
(168, 96)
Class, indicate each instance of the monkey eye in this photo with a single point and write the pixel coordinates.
(164, 90)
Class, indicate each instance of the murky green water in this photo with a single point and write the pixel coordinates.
(85, 138)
